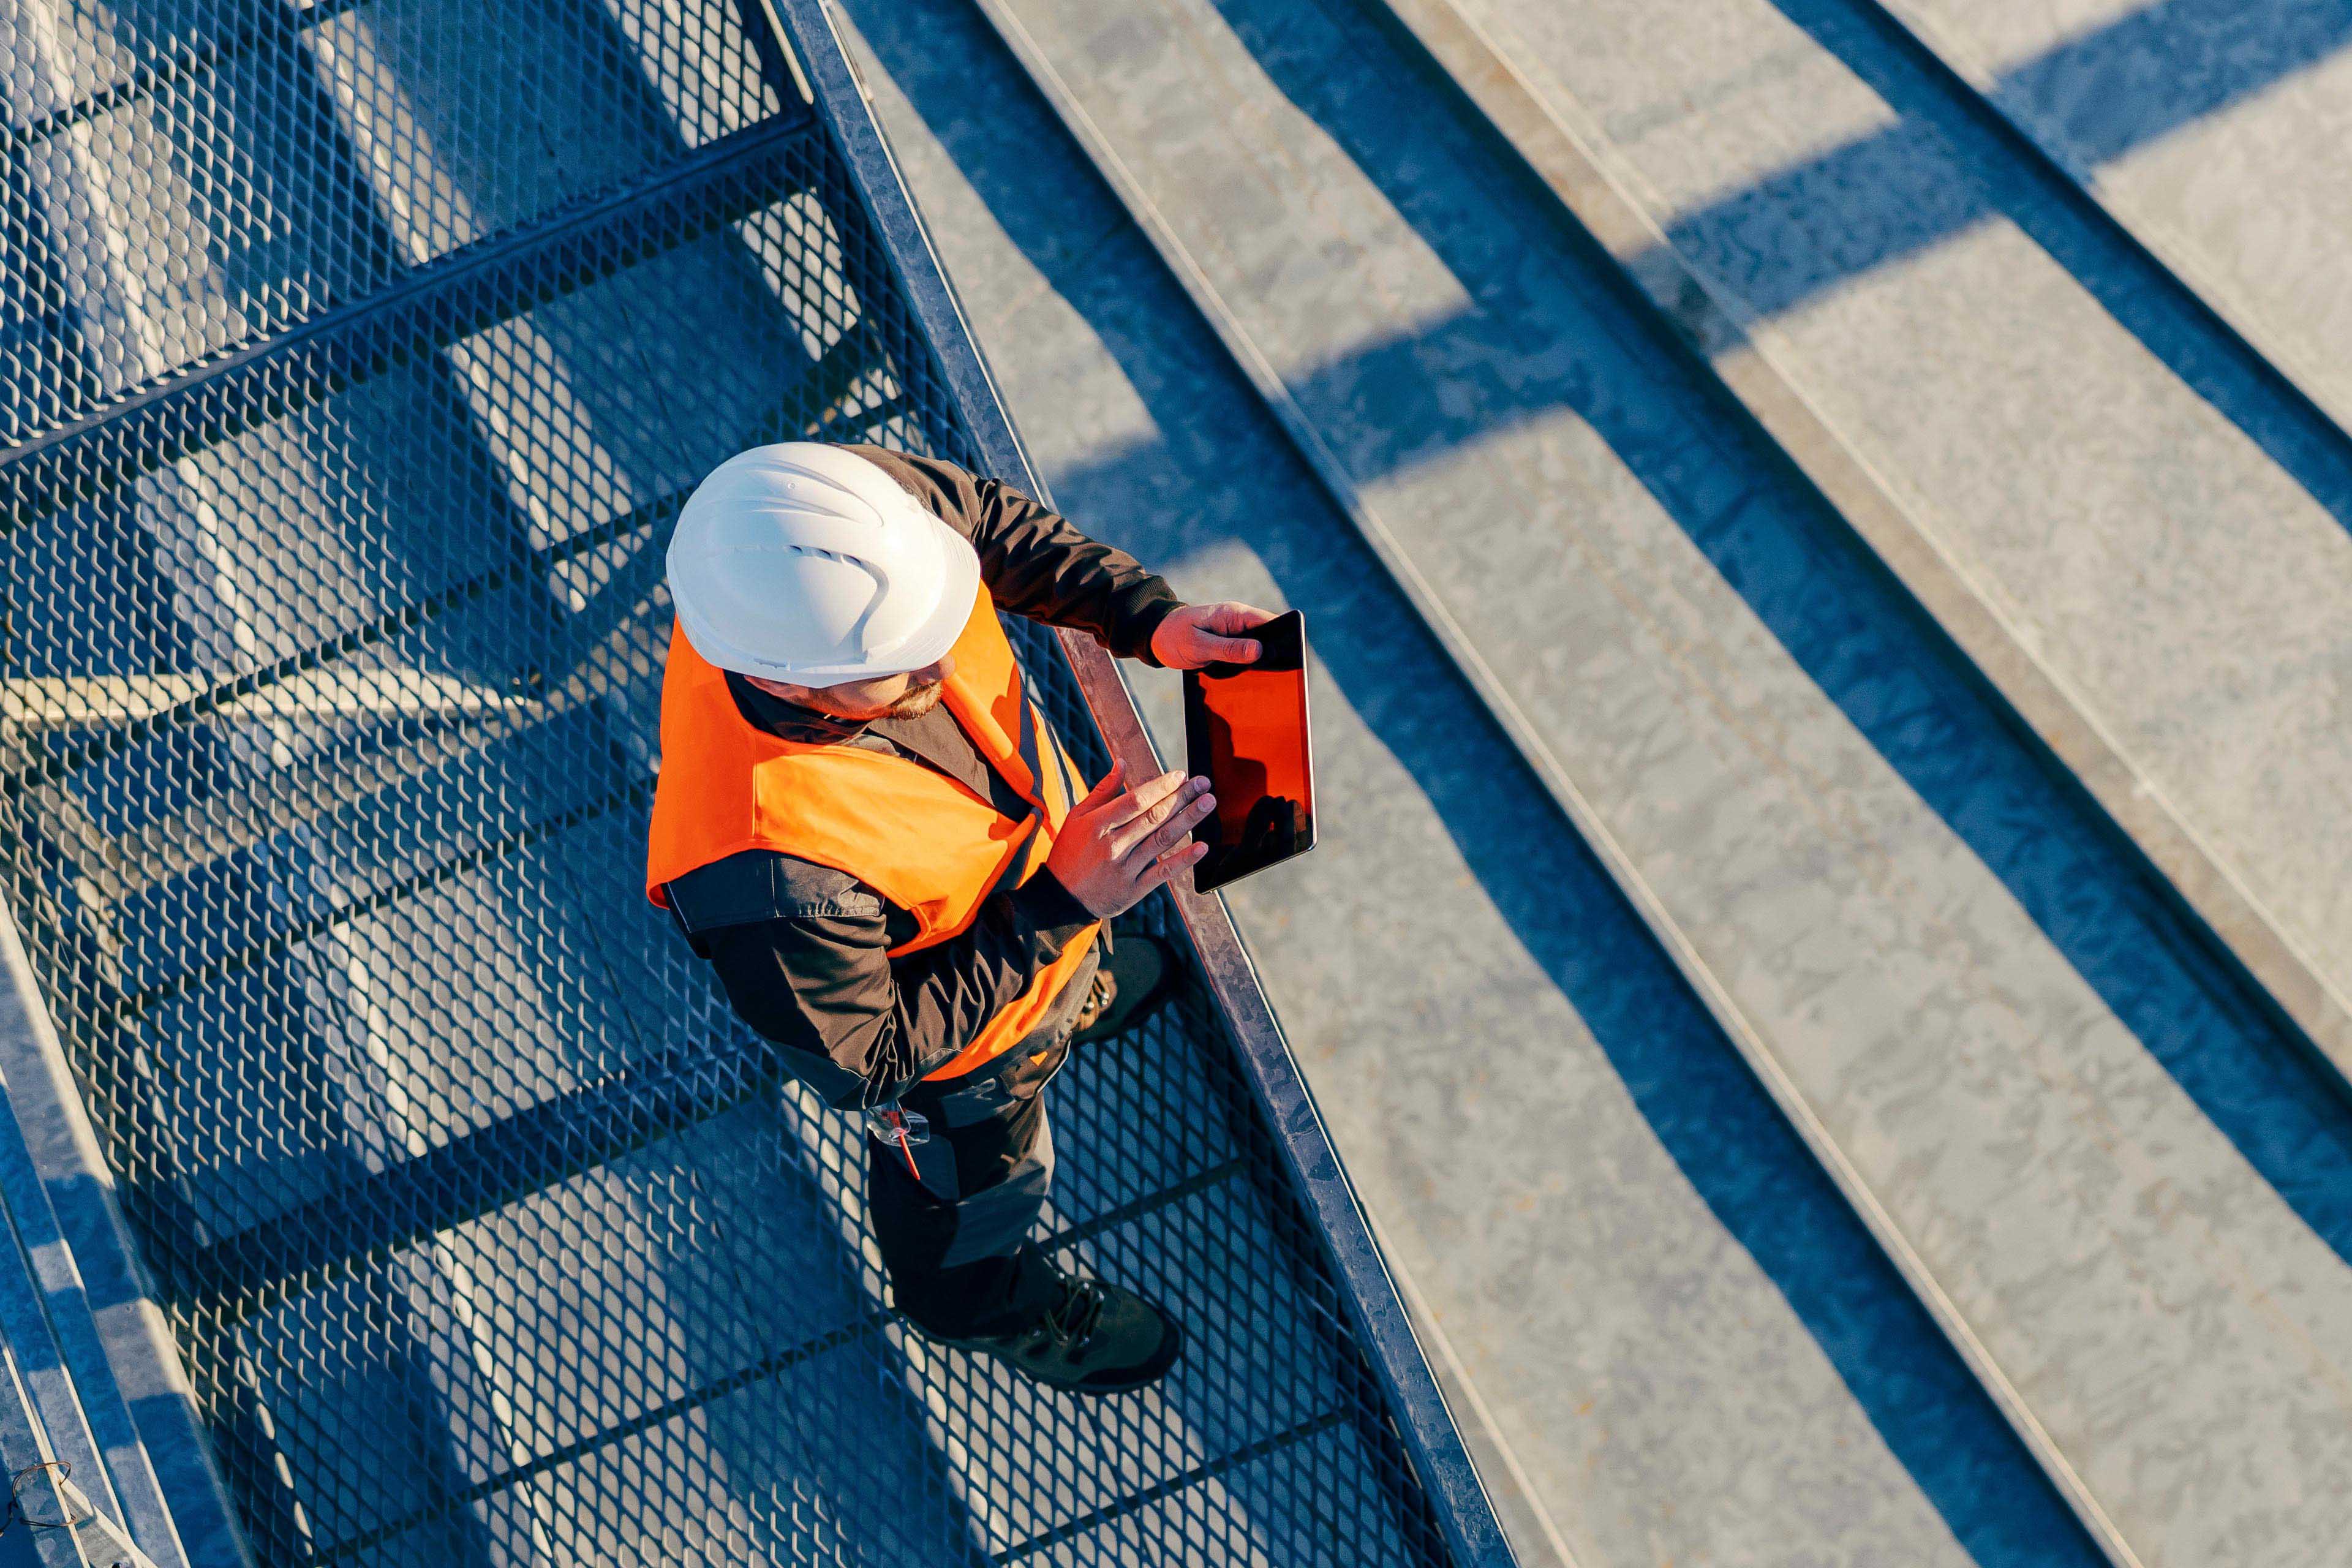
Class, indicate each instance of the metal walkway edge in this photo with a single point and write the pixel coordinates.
(97, 1363)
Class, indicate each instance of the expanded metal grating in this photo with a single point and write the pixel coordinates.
(355, 358)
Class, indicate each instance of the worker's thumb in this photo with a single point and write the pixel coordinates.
(1100, 796)
(1233, 650)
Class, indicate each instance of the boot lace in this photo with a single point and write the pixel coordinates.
(1072, 1323)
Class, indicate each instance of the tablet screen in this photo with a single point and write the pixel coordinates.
(1245, 732)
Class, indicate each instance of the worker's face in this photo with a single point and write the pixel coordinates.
(907, 696)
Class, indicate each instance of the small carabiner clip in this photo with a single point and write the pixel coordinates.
(893, 1124)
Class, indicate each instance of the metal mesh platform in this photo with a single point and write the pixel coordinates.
(357, 357)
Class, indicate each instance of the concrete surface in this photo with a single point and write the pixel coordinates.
(2212, 129)
(2019, 1137)
(2163, 528)
(1593, 189)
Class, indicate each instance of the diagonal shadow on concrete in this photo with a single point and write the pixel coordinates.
(1948, 163)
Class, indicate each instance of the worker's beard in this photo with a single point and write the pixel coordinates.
(916, 702)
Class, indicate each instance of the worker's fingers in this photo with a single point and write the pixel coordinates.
(1142, 845)
(1139, 804)
(1124, 839)
(1181, 858)
(1233, 617)
(1103, 792)
(1186, 853)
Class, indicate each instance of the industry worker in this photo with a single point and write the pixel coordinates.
(867, 825)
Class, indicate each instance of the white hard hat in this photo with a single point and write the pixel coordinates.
(807, 563)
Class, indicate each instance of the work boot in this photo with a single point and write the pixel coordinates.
(1098, 1339)
(1134, 978)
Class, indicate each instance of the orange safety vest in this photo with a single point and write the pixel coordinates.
(920, 838)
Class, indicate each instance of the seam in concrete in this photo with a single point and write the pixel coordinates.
(1459, 39)
(1572, 164)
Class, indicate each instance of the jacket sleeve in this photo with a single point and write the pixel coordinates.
(1036, 562)
(811, 971)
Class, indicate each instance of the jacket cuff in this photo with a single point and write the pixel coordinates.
(1141, 611)
(1048, 910)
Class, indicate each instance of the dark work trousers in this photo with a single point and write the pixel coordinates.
(957, 1240)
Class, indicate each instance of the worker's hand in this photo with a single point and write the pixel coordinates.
(1199, 635)
(1118, 845)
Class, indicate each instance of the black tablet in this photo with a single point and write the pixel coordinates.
(1245, 732)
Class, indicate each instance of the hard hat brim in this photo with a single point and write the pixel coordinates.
(960, 587)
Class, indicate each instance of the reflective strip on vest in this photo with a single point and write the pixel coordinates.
(922, 840)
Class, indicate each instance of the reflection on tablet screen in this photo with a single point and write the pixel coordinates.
(1247, 734)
